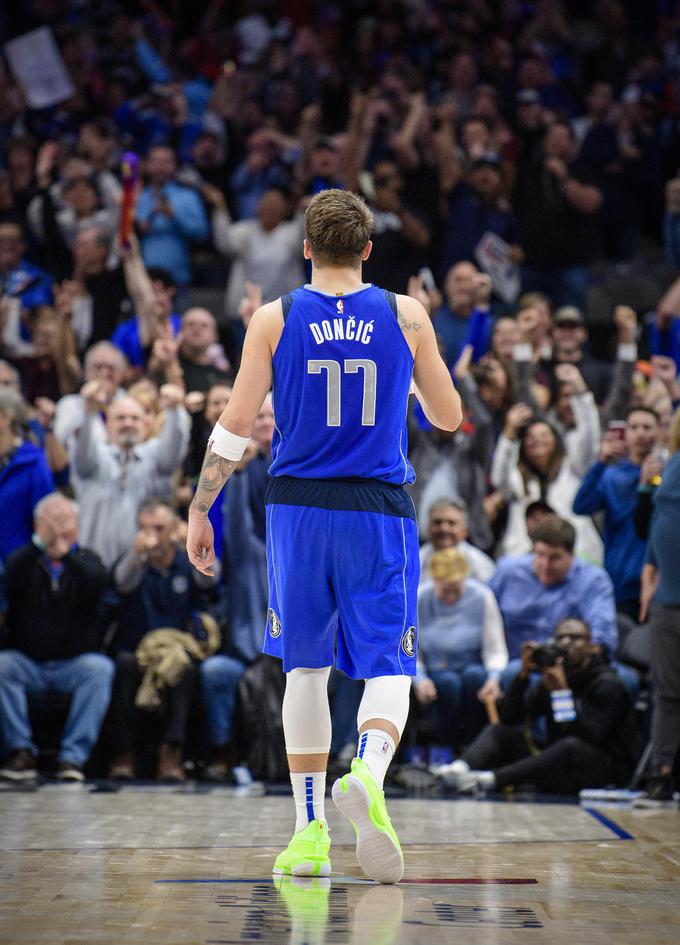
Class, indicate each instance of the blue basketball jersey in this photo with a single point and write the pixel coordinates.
(342, 372)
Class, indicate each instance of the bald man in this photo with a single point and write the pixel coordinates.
(113, 477)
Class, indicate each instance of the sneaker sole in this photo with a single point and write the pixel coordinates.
(18, 775)
(378, 855)
(305, 868)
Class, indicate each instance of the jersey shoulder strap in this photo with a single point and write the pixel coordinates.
(286, 302)
(391, 300)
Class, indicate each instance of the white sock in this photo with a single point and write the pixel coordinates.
(486, 780)
(309, 792)
(377, 749)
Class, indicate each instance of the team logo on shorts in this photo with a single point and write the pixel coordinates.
(274, 624)
(408, 642)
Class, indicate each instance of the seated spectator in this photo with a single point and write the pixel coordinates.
(610, 486)
(591, 736)
(159, 590)
(54, 591)
(536, 591)
(169, 216)
(25, 476)
(530, 463)
(461, 647)
(114, 477)
(448, 528)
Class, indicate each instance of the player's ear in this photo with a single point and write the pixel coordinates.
(367, 251)
(306, 249)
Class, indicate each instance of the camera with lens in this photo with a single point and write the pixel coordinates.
(546, 655)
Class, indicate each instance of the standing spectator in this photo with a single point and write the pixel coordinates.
(95, 296)
(661, 582)
(54, 590)
(153, 292)
(54, 369)
(195, 360)
(610, 486)
(114, 477)
(448, 528)
(159, 589)
(467, 293)
(461, 647)
(19, 278)
(105, 364)
(400, 237)
(170, 216)
(25, 476)
(476, 204)
(265, 250)
(556, 200)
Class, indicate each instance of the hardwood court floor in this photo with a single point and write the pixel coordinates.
(191, 866)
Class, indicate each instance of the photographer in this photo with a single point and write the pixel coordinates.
(590, 733)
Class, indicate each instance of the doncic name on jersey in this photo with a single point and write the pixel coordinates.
(341, 329)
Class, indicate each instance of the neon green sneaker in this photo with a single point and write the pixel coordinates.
(358, 797)
(306, 899)
(307, 853)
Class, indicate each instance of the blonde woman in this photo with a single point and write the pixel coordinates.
(462, 648)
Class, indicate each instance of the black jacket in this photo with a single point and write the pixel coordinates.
(54, 619)
(603, 711)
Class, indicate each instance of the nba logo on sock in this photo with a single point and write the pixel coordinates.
(408, 641)
(385, 747)
(274, 623)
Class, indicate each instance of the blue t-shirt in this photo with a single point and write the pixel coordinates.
(126, 337)
(342, 372)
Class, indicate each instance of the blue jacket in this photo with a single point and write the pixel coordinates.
(612, 489)
(23, 482)
(166, 243)
(37, 283)
(531, 611)
(126, 337)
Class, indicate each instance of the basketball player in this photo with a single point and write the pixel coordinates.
(342, 540)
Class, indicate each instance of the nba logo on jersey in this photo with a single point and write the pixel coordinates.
(341, 307)
(408, 641)
(274, 624)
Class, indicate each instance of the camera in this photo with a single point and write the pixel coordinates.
(547, 655)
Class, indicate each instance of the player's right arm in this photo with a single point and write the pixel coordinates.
(251, 386)
(433, 385)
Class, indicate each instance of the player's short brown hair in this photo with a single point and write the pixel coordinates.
(338, 225)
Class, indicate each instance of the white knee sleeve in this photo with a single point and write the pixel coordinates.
(306, 713)
(386, 697)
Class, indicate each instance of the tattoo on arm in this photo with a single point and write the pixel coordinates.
(214, 473)
(406, 324)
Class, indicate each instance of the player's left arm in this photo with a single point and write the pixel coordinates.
(252, 384)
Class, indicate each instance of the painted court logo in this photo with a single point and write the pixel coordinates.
(408, 642)
(274, 624)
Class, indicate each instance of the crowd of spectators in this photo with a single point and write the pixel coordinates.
(509, 153)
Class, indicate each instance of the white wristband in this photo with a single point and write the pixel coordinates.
(226, 444)
(627, 351)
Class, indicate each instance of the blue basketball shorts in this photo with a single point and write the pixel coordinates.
(343, 569)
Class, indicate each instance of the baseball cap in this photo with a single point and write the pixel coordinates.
(567, 315)
(527, 97)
